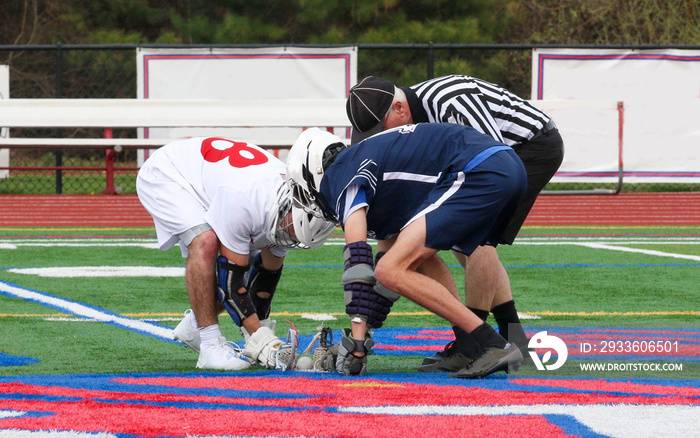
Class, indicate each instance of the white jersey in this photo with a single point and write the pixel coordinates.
(236, 183)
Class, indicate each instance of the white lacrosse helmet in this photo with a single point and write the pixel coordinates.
(312, 152)
(292, 225)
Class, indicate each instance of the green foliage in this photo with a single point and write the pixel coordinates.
(602, 22)
(333, 22)
(368, 21)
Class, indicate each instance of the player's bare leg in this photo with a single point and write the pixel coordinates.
(200, 278)
(479, 350)
(486, 282)
(487, 288)
(435, 268)
(397, 271)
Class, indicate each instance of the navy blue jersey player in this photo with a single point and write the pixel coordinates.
(420, 188)
(396, 175)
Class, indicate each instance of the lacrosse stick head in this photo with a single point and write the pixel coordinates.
(287, 351)
(324, 355)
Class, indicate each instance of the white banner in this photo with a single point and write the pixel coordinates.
(265, 73)
(661, 94)
(4, 132)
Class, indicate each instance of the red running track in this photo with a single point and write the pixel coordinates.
(623, 209)
(126, 210)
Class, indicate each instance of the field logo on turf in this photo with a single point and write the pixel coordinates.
(541, 341)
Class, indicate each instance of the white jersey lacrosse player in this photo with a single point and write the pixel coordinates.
(231, 185)
(220, 197)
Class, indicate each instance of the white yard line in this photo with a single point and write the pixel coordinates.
(613, 242)
(20, 433)
(640, 251)
(85, 311)
(101, 271)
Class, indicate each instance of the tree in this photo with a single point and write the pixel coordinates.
(329, 22)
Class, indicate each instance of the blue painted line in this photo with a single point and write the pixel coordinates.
(9, 360)
(592, 265)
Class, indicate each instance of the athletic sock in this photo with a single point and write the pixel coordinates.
(509, 323)
(487, 337)
(482, 314)
(465, 343)
(210, 335)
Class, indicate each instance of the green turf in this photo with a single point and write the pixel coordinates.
(545, 279)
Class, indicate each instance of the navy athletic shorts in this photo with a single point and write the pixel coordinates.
(474, 206)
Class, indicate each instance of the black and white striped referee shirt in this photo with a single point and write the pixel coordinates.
(482, 105)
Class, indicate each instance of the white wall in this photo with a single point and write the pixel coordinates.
(661, 94)
(266, 73)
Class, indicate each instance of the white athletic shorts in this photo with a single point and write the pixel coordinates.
(177, 214)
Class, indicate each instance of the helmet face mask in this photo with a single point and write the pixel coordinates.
(312, 153)
(293, 224)
(279, 224)
(298, 219)
(300, 197)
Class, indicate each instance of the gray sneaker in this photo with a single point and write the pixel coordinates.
(492, 360)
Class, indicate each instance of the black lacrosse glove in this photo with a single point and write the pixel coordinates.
(347, 363)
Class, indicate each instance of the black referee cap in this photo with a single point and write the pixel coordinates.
(368, 102)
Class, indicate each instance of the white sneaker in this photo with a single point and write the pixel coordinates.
(186, 334)
(221, 356)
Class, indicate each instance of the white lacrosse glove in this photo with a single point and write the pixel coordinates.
(270, 351)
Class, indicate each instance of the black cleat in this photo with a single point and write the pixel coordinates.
(440, 355)
(492, 360)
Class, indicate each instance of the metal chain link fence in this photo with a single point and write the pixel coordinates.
(53, 72)
(57, 71)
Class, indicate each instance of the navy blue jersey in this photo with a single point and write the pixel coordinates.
(398, 168)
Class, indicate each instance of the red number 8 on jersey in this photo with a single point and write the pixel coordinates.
(239, 154)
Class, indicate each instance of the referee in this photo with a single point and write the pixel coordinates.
(375, 104)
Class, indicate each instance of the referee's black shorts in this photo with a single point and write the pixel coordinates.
(541, 157)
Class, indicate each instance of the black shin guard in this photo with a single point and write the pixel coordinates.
(263, 282)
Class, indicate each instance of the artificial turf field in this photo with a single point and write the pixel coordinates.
(86, 348)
